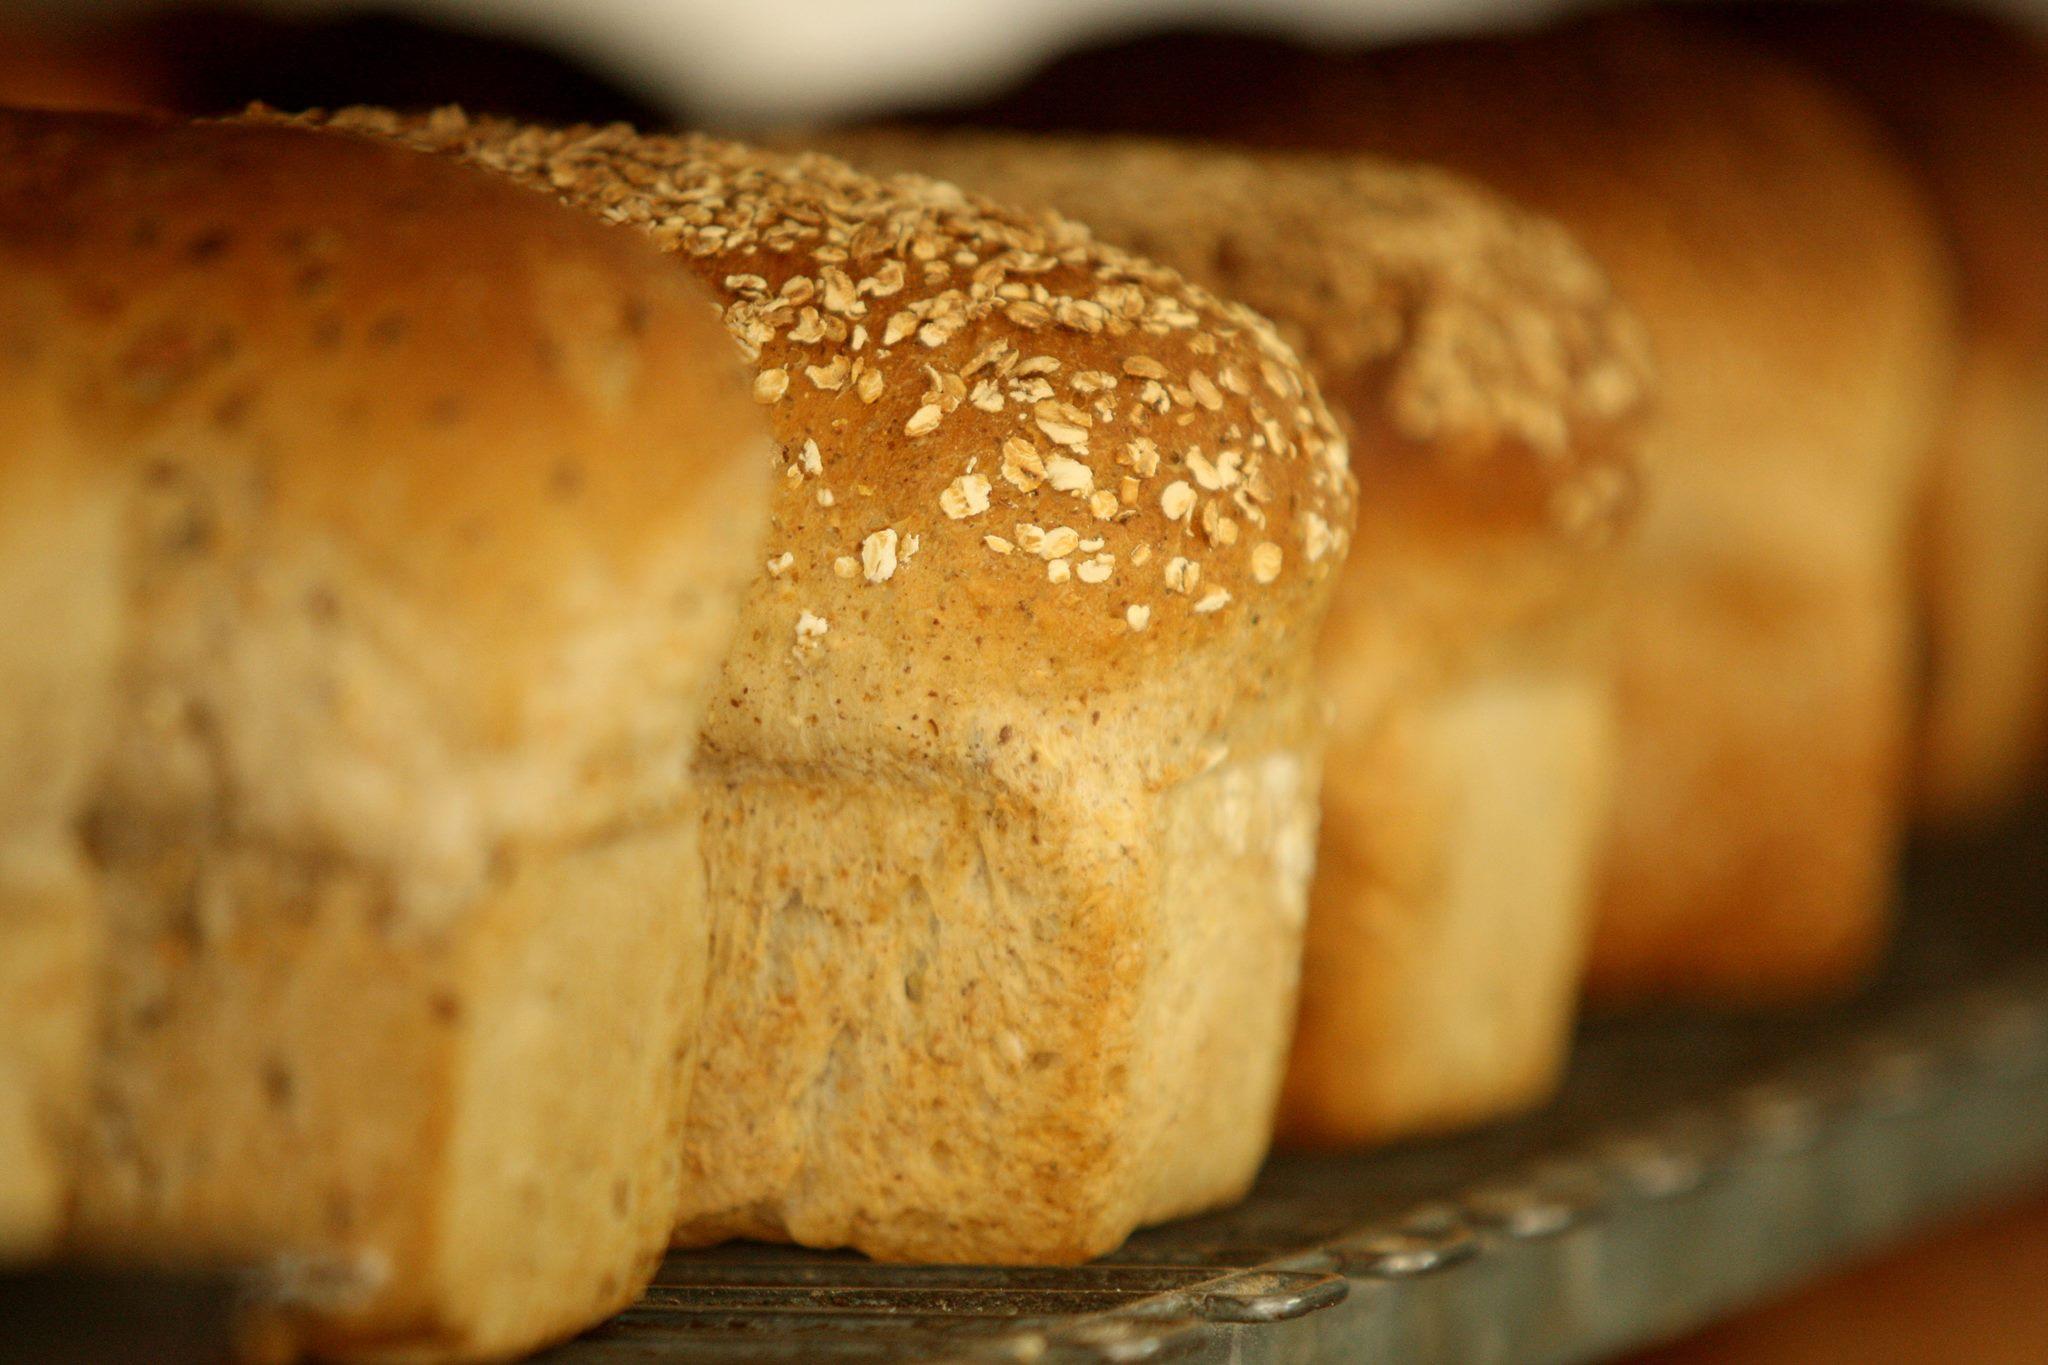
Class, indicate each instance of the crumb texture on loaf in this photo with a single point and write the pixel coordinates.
(431, 503)
(1054, 533)
(965, 1027)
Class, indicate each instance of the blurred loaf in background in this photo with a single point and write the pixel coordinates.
(1766, 676)
(1964, 96)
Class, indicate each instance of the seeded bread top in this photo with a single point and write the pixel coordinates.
(1479, 354)
(1034, 440)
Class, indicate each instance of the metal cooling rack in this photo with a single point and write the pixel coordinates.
(1693, 1164)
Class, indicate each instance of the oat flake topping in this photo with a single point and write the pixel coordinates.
(902, 309)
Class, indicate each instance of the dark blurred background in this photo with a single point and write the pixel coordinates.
(728, 63)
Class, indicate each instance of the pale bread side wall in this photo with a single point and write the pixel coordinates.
(1447, 931)
(992, 1021)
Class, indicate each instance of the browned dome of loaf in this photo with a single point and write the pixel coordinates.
(452, 406)
(1058, 455)
(128, 212)
(1481, 356)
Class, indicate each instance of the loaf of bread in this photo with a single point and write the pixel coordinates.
(1797, 303)
(1491, 384)
(1965, 96)
(1012, 773)
(425, 507)
(1766, 667)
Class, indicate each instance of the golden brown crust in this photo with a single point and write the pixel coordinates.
(405, 263)
(413, 391)
(1480, 356)
(1008, 417)
(1617, 127)
(1680, 182)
